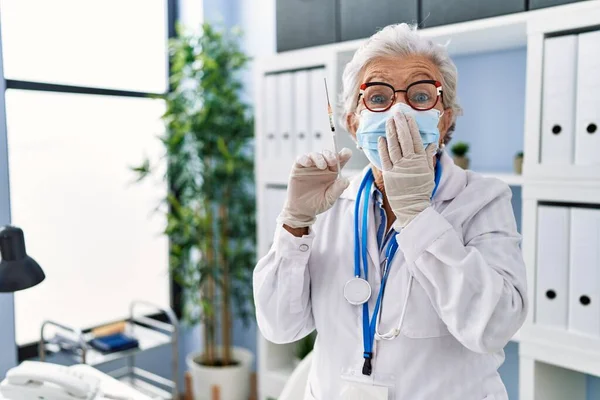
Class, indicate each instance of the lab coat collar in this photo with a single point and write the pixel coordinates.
(452, 182)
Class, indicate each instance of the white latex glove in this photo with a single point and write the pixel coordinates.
(313, 187)
(408, 173)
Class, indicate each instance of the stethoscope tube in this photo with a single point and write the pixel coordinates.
(395, 332)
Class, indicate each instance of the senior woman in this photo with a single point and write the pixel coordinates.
(412, 274)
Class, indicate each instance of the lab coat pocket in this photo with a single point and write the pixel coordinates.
(421, 319)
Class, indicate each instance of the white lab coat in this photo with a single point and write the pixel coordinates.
(468, 294)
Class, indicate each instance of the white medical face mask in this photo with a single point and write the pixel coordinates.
(372, 126)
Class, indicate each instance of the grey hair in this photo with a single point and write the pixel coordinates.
(400, 40)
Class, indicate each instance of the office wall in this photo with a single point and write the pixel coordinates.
(491, 89)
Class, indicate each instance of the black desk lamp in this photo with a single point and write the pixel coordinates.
(18, 271)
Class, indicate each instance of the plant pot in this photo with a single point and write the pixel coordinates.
(462, 161)
(518, 164)
(233, 381)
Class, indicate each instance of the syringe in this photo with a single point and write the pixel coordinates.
(330, 114)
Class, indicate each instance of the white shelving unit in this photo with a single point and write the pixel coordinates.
(510, 178)
(551, 363)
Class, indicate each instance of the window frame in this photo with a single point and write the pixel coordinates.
(30, 350)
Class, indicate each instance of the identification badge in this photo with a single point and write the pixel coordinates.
(362, 391)
(356, 386)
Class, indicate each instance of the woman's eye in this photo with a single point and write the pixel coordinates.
(420, 97)
(378, 99)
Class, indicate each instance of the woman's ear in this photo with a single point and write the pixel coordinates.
(352, 122)
(445, 123)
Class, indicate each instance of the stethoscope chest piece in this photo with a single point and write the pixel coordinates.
(357, 291)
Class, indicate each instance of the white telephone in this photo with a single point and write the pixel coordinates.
(36, 380)
(33, 380)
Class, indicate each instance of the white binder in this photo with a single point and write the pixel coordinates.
(587, 125)
(302, 105)
(558, 100)
(584, 298)
(271, 138)
(285, 123)
(552, 267)
(321, 135)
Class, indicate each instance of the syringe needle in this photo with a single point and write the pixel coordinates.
(332, 126)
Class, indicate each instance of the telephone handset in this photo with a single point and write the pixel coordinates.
(38, 380)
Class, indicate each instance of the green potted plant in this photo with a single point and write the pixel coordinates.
(460, 150)
(211, 205)
(518, 163)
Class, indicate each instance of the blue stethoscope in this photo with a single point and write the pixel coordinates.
(358, 290)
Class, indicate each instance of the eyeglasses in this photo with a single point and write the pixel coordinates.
(420, 95)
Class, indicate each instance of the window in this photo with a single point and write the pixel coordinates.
(80, 113)
(113, 44)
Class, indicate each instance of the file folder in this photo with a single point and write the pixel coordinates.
(558, 100)
(552, 267)
(271, 143)
(584, 298)
(301, 113)
(318, 114)
(587, 125)
(285, 120)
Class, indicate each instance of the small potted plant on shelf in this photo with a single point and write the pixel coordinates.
(210, 205)
(518, 163)
(460, 150)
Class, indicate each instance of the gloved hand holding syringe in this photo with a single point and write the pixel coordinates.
(312, 188)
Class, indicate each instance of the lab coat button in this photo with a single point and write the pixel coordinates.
(303, 247)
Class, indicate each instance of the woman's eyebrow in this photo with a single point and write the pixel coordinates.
(378, 76)
(420, 75)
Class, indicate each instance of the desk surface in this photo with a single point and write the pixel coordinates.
(110, 385)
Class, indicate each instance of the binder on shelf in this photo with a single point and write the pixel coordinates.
(587, 117)
(318, 114)
(285, 117)
(552, 267)
(271, 142)
(301, 113)
(584, 297)
(558, 100)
